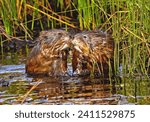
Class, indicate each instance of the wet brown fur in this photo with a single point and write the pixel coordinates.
(92, 51)
(48, 56)
(95, 54)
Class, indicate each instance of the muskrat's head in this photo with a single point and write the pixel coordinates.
(82, 44)
(54, 41)
(94, 44)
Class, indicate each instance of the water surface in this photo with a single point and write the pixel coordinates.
(18, 88)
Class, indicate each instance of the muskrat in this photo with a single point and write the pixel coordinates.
(50, 54)
(93, 52)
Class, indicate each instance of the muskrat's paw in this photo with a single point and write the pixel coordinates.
(97, 74)
(60, 74)
(66, 74)
(85, 72)
(75, 74)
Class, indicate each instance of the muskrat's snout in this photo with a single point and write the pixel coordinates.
(81, 45)
(64, 47)
(67, 45)
(76, 45)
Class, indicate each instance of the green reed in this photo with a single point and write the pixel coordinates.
(127, 20)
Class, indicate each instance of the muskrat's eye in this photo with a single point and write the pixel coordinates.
(60, 34)
(84, 36)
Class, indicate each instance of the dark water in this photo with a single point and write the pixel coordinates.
(17, 88)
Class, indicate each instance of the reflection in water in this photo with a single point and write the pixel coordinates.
(76, 90)
(15, 84)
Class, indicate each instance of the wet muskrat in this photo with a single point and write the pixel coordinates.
(93, 52)
(49, 56)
